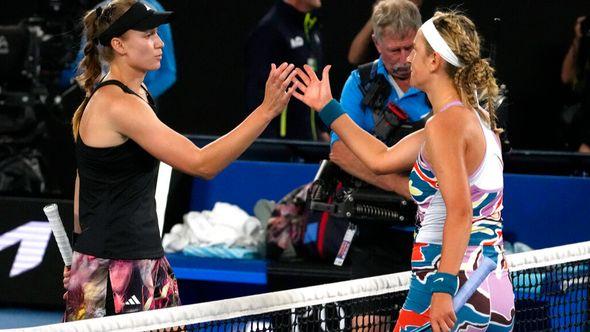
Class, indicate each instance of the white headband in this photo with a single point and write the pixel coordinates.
(438, 44)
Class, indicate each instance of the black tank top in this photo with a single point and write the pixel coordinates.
(117, 206)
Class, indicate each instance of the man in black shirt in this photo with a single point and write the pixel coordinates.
(288, 32)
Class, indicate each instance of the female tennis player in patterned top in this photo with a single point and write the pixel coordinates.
(119, 140)
(456, 177)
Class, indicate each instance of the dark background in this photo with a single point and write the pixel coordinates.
(208, 96)
(42, 285)
(209, 39)
(532, 41)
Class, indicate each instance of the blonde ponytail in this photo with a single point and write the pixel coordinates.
(95, 22)
(474, 80)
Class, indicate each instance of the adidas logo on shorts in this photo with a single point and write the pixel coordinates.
(132, 301)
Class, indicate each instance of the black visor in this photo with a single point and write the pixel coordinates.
(137, 17)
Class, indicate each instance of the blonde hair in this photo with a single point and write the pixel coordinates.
(475, 79)
(96, 22)
(401, 17)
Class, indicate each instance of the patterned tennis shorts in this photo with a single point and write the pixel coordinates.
(137, 285)
(490, 308)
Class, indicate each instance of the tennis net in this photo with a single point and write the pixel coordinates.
(551, 287)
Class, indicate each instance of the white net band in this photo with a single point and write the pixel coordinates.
(303, 297)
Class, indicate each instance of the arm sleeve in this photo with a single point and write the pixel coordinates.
(351, 102)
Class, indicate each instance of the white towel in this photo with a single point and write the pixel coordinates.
(225, 225)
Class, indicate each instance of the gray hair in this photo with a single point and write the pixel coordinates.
(400, 17)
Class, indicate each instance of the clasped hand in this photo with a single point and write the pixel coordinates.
(286, 81)
(278, 89)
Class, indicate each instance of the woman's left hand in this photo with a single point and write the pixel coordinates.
(442, 314)
(66, 280)
(315, 93)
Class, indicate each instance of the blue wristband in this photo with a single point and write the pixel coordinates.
(444, 283)
(332, 111)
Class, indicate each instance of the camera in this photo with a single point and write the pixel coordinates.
(345, 196)
(34, 50)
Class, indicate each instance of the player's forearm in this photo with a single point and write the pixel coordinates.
(456, 233)
(220, 153)
(77, 228)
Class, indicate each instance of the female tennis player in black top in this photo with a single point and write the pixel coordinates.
(119, 140)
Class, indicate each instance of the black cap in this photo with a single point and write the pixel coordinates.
(137, 17)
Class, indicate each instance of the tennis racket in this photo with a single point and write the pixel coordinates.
(469, 287)
(57, 227)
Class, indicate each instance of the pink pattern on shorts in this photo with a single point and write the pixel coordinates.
(137, 285)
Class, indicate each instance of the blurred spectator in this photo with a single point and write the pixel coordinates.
(362, 49)
(575, 72)
(288, 32)
(157, 81)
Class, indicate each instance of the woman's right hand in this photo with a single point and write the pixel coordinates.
(277, 92)
(315, 93)
(66, 280)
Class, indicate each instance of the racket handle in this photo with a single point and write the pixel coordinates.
(470, 286)
(57, 227)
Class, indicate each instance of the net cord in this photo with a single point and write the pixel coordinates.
(295, 298)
